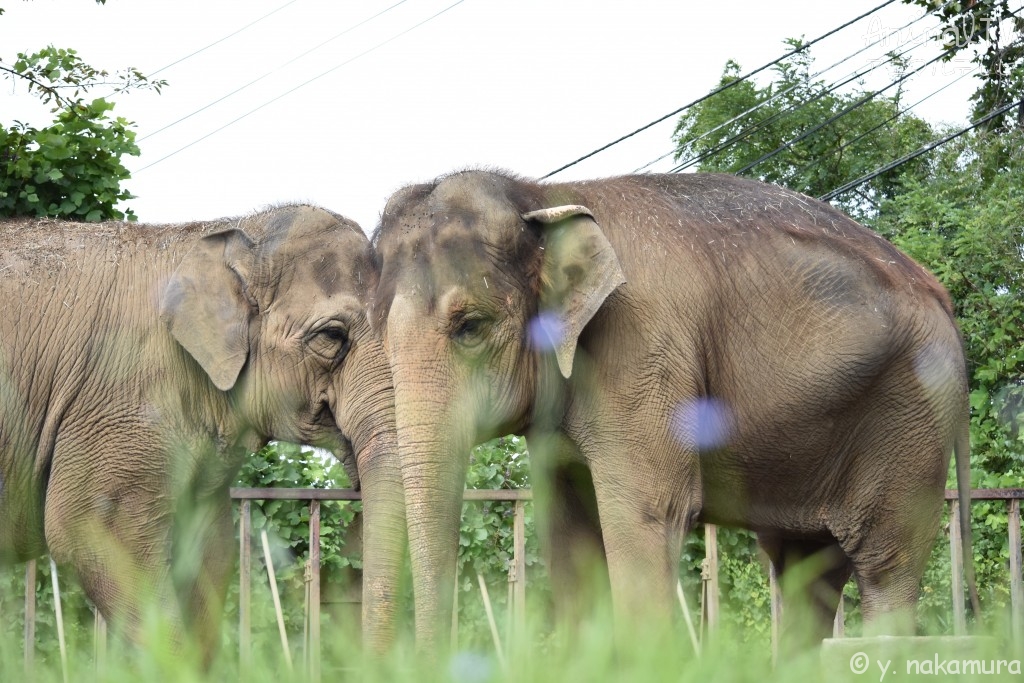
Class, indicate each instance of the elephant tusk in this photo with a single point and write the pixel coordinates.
(557, 213)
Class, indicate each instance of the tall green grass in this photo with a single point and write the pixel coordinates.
(594, 653)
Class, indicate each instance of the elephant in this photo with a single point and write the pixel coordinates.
(139, 364)
(678, 349)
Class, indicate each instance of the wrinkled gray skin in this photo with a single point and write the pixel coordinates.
(139, 364)
(683, 348)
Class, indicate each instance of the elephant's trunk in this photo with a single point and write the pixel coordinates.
(434, 438)
(374, 443)
(384, 539)
(434, 464)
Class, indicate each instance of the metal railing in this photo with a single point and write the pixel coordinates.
(709, 603)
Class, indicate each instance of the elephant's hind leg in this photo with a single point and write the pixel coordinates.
(125, 577)
(812, 575)
(203, 560)
(888, 565)
(114, 533)
(890, 518)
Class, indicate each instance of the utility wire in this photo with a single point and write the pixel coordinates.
(271, 72)
(301, 85)
(867, 98)
(747, 132)
(895, 116)
(846, 110)
(230, 35)
(728, 85)
(923, 150)
(788, 90)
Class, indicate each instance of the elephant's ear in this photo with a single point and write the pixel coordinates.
(579, 271)
(206, 305)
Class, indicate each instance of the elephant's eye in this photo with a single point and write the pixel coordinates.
(330, 342)
(468, 328)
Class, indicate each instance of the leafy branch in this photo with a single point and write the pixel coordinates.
(53, 69)
(72, 168)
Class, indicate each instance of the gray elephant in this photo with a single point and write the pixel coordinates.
(139, 364)
(686, 348)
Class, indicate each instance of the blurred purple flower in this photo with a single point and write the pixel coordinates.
(704, 422)
(546, 331)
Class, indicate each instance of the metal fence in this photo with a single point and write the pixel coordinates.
(709, 603)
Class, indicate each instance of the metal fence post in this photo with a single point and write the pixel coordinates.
(709, 575)
(1016, 579)
(99, 644)
(313, 653)
(519, 567)
(775, 603)
(839, 624)
(957, 570)
(30, 618)
(245, 586)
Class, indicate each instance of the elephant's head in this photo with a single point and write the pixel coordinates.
(480, 275)
(273, 309)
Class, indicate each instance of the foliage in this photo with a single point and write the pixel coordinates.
(993, 35)
(71, 168)
(958, 211)
(746, 124)
(965, 223)
(284, 465)
(486, 535)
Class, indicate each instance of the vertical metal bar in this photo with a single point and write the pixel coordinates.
(491, 623)
(245, 586)
(99, 644)
(711, 555)
(276, 595)
(59, 615)
(30, 618)
(839, 625)
(314, 591)
(455, 609)
(1016, 578)
(775, 600)
(519, 563)
(956, 562)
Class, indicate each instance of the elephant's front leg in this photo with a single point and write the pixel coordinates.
(649, 496)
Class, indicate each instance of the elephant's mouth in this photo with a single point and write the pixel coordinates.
(331, 438)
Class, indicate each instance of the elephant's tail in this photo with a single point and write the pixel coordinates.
(962, 456)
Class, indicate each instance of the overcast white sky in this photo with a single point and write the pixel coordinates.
(526, 85)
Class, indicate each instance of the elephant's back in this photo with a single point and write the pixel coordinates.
(761, 282)
(733, 226)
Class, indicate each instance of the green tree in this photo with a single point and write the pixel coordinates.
(993, 36)
(775, 133)
(964, 222)
(71, 168)
(957, 210)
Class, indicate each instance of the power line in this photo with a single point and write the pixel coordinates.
(788, 90)
(742, 78)
(803, 136)
(923, 150)
(895, 116)
(230, 35)
(271, 72)
(846, 110)
(301, 85)
(747, 132)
